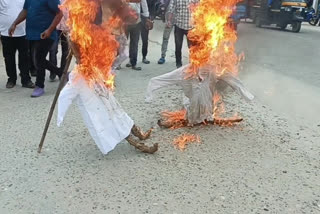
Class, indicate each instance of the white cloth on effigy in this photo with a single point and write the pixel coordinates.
(107, 122)
(198, 91)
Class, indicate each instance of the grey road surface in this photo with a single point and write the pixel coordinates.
(267, 164)
(283, 70)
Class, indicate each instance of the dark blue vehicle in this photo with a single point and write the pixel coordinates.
(240, 12)
(312, 17)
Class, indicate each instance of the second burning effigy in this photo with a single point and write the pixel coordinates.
(213, 66)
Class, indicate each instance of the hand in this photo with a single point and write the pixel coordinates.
(11, 30)
(169, 24)
(46, 34)
(149, 24)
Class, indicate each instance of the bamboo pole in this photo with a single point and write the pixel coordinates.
(53, 105)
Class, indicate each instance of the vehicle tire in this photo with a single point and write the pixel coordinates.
(313, 21)
(296, 27)
(283, 26)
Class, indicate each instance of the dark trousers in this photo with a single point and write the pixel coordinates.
(178, 37)
(133, 31)
(64, 48)
(40, 50)
(145, 38)
(10, 45)
(32, 68)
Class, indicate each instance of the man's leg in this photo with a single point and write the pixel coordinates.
(22, 46)
(134, 41)
(165, 40)
(53, 53)
(164, 46)
(49, 66)
(53, 56)
(40, 52)
(65, 51)
(9, 52)
(190, 43)
(178, 37)
(32, 68)
(128, 34)
(145, 38)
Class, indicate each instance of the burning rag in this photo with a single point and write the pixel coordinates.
(107, 122)
(198, 91)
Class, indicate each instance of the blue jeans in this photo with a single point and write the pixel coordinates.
(165, 40)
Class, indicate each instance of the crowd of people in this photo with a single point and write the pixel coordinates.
(35, 28)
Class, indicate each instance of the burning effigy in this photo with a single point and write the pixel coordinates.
(97, 42)
(213, 66)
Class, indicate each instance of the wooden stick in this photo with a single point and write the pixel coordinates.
(60, 87)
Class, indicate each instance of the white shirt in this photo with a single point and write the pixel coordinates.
(9, 11)
(137, 7)
(63, 23)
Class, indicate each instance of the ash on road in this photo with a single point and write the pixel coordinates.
(267, 164)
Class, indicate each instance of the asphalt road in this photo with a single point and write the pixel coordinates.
(282, 68)
(267, 164)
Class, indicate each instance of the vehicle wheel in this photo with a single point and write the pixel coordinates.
(283, 26)
(313, 21)
(258, 22)
(296, 26)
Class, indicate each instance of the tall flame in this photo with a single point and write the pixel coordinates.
(212, 38)
(96, 44)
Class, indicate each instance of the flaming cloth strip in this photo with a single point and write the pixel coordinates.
(91, 83)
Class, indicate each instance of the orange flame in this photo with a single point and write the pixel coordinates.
(219, 107)
(175, 119)
(212, 37)
(219, 110)
(182, 141)
(97, 46)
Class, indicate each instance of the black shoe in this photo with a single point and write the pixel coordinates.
(28, 85)
(145, 61)
(136, 68)
(128, 65)
(179, 65)
(60, 73)
(10, 85)
(52, 77)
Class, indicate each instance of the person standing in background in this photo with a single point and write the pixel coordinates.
(147, 25)
(133, 31)
(166, 33)
(62, 31)
(9, 10)
(42, 18)
(180, 10)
